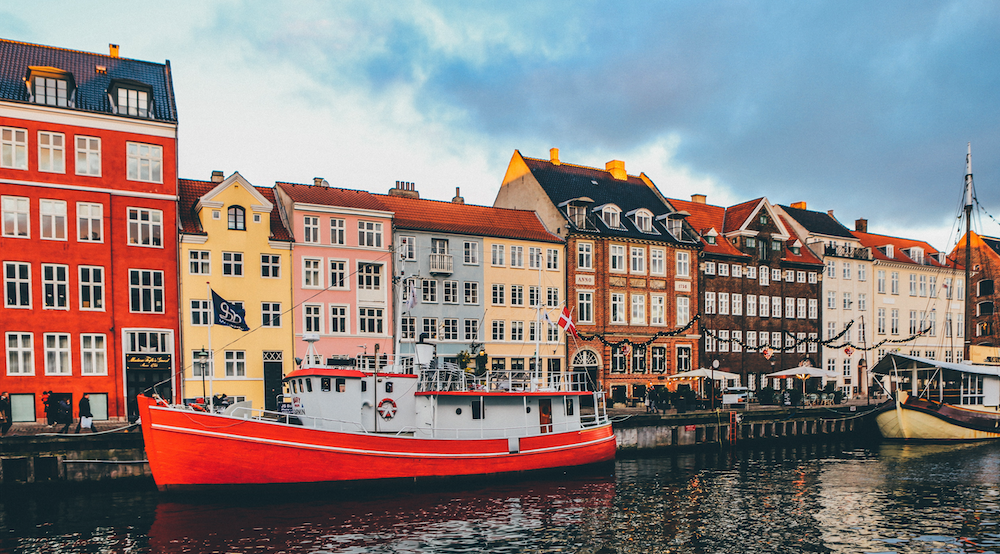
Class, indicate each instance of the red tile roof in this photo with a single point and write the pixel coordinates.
(805, 255)
(876, 241)
(191, 191)
(737, 215)
(332, 196)
(704, 217)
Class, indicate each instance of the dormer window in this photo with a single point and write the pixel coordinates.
(674, 226)
(644, 221)
(916, 254)
(131, 98)
(796, 250)
(237, 218)
(611, 216)
(51, 86)
(710, 239)
(577, 215)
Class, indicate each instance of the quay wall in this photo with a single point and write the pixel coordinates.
(118, 457)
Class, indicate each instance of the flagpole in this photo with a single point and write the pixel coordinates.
(211, 353)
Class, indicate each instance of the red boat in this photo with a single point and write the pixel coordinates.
(349, 425)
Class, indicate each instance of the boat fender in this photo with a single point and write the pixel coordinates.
(387, 408)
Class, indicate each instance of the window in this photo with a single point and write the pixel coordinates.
(723, 341)
(57, 354)
(498, 330)
(765, 275)
(724, 303)
(497, 255)
(471, 250)
(724, 270)
(310, 229)
(617, 257)
(656, 265)
(53, 213)
(831, 300)
(644, 221)
(145, 162)
(932, 286)
(775, 306)
(894, 282)
(611, 216)
(683, 264)
(338, 229)
(199, 262)
(683, 358)
(638, 260)
(923, 286)
(51, 153)
(751, 272)
(370, 234)
(638, 309)
(146, 291)
(584, 255)
(765, 306)
(409, 327)
(709, 302)
(552, 297)
(737, 303)
(894, 321)
(451, 292)
(552, 259)
(517, 295)
(338, 320)
(236, 363)
(813, 308)
(270, 314)
(639, 359)
(91, 288)
(471, 329)
(16, 214)
(471, 292)
(790, 276)
(232, 263)
(237, 218)
(498, 295)
(913, 322)
(311, 317)
(370, 320)
(776, 275)
(449, 329)
(534, 258)
(846, 269)
(737, 345)
(947, 288)
(709, 268)
(369, 276)
(13, 148)
(429, 291)
(17, 281)
(752, 305)
(683, 310)
(552, 332)
(659, 359)
(617, 308)
(618, 359)
(270, 266)
(55, 286)
(862, 272)
(847, 301)
(862, 301)
(90, 222)
(338, 274)
(913, 284)
(20, 354)
(516, 256)
(200, 312)
(88, 156)
(585, 307)
(133, 102)
(145, 227)
(534, 296)
(790, 307)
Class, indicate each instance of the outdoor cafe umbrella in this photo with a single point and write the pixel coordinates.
(703, 373)
(802, 372)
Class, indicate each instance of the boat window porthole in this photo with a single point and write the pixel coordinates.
(527, 409)
(309, 385)
(388, 386)
(458, 411)
(324, 384)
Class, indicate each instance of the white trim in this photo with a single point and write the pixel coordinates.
(112, 192)
(277, 245)
(207, 199)
(108, 122)
(194, 239)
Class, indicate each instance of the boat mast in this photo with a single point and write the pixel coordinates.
(968, 252)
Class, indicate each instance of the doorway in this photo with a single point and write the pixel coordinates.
(545, 414)
(272, 385)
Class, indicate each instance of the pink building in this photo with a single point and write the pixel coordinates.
(341, 269)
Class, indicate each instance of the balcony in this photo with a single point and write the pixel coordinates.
(442, 263)
(848, 252)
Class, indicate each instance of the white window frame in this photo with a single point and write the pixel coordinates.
(338, 231)
(144, 162)
(89, 288)
(234, 264)
(57, 285)
(339, 319)
(51, 152)
(616, 309)
(517, 256)
(13, 148)
(88, 217)
(683, 310)
(534, 257)
(683, 264)
(59, 358)
(637, 260)
(338, 274)
(657, 264)
(236, 363)
(152, 227)
(497, 257)
(93, 354)
(470, 250)
(638, 311)
(17, 281)
(585, 256)
(19, 209)
(470, 292)
(310, 229)
(369, 234)
(152, 288)
(657, 309)
(616, 258)
(55, 212)
(552, 259)
(20, 356)
(88, 155)
(585, 306)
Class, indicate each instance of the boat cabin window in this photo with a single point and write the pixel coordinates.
(972, 389)
(388, 386)
(477, 409)
(569, 406)
(309, 385)
(324, 384)
(291, 385)
(341, 385)
(364, 386)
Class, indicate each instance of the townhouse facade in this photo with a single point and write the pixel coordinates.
(341, 271)
(760, 289)
(88, 185)
(630, 259)
(233, 242)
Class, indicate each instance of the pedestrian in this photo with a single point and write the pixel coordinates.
(86, 418)
(649, 402)
(64, 415)
(50, 408)
(5, 416)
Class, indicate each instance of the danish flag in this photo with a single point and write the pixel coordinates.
(566, 322)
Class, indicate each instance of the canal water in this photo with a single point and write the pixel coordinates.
(822, 497)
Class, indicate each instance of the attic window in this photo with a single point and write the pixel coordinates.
(796, 250)
(644, 221)
(51, 86)
(577, 215)
(612, 217)
(131, 98)
(710, 239)
(763, 219)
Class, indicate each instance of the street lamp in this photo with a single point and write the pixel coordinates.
(715, 365)
(201, 358)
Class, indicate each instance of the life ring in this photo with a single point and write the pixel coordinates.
(387, 408)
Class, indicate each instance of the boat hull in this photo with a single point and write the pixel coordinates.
(910, 418)
(188, 450)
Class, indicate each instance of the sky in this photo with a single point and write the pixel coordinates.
(863, 108)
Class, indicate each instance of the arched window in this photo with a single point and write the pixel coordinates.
(611, 216)
(985, 287)
(984, 308)
(644, 221)
(585, 358)
(237, 218)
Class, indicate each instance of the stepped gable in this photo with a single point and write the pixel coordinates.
(91, 83)
(564, 181)
(705, 217)
(466, 219)
(820, 223)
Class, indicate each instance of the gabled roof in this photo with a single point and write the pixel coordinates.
(466, 219)
(818, 223)
(878, 242)
(332, 196)
(92, 85)
(705, 217)
(805, 255)
(740, 216)
(191, 193)
(563, 182)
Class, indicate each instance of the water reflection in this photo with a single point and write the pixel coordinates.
(836, 497)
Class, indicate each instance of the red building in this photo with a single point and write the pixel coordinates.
(88, 248)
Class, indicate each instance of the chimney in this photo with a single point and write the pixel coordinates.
(861, 225)
(829, 213)
(617, 169)
(799, 205)
(698, 198)
(113, 50)
(408, 189)
(320, 182)
(218, 177)
(458, 197)
(554, 156)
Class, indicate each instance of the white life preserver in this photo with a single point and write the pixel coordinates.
(387, 408)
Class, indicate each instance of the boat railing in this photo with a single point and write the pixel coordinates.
(309, 422)
(452, 378)
(532, 429)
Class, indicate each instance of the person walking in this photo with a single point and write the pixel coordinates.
(64, 415)
(50, 408)
(6, 420)
(86, 418)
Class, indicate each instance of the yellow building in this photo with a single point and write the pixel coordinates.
(233, 240)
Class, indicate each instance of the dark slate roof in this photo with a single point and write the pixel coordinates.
(819, 223)
(92, 87)
(993, 243)
(191, 191)
(563, 181)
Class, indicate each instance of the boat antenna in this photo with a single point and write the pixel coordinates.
(966, 346)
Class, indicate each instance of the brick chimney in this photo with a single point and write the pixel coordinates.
(699, 198)
(113, 50)
(861, 225)
(617, 169)
(405, 188)
(798, 205)
(320, 182)
(218, 177)
(554, 156)
(458, 197)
